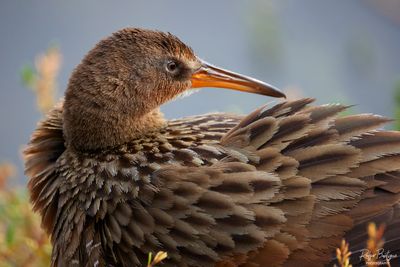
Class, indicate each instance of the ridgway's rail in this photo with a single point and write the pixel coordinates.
(113, 180)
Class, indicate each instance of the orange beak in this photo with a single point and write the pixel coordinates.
(210, 76)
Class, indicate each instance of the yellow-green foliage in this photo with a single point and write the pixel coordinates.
(159, 257)
(22, 242)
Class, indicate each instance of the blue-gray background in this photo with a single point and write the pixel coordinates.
(347, 51)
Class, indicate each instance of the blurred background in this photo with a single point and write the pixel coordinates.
(335, 51)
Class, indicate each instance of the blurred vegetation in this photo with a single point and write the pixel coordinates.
(375, 243)
(22, 241)
(343, 255)
(42, 78)
(161, 255)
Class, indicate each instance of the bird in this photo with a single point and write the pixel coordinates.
(113, 180)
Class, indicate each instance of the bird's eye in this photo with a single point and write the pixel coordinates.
(172, 66)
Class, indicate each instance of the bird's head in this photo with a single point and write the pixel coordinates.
(115, 92)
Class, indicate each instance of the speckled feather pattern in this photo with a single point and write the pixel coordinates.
(279, 187)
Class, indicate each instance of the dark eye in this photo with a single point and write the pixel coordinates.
(172, 66)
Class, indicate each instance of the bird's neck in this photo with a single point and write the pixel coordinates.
(89, 132)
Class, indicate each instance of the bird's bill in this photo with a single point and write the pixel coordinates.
(210, 76)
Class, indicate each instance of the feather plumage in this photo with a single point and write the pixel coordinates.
(266, 193)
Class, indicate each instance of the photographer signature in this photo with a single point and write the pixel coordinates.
(384, 256)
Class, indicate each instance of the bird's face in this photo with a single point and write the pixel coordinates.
(177, 70)
(138, 70)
